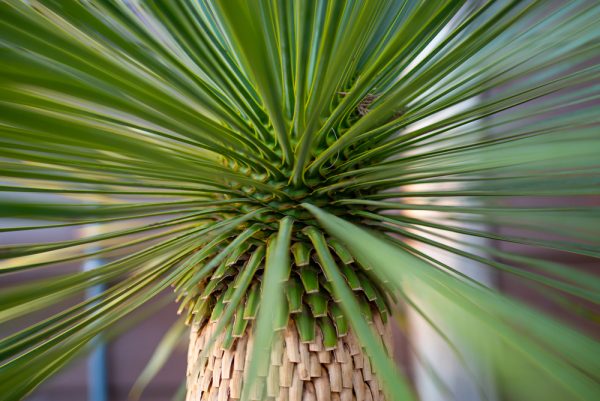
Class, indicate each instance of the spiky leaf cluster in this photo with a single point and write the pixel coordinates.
(310, 301)
(314, 160)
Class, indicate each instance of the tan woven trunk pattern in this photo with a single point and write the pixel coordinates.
(297, 372)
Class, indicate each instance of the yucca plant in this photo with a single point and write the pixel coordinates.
(303, 173)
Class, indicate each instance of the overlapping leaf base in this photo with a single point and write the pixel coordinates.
(310, 298)
(298, 370)
(223, 306)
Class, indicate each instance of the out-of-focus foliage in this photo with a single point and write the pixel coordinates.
(312, 160)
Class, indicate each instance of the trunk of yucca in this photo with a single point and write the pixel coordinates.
(297, 372)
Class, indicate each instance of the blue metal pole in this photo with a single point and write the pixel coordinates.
(97, 377)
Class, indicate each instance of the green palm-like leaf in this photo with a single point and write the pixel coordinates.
(327, 163)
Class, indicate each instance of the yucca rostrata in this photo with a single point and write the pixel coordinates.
(302, 172)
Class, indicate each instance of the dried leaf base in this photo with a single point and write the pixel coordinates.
(297, 372)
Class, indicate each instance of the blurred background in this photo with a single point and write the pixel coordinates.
(107, 375)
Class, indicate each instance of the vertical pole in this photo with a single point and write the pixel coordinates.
(97, 377)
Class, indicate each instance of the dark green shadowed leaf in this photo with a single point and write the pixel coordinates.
(330, 337)
(306, 324)
(294, 293)
(251, 307)
(317, 303)
(301, 252)
(340, 251)
(310, 279)
(341, 324)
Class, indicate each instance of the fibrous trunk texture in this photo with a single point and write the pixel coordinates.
(297, 372)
